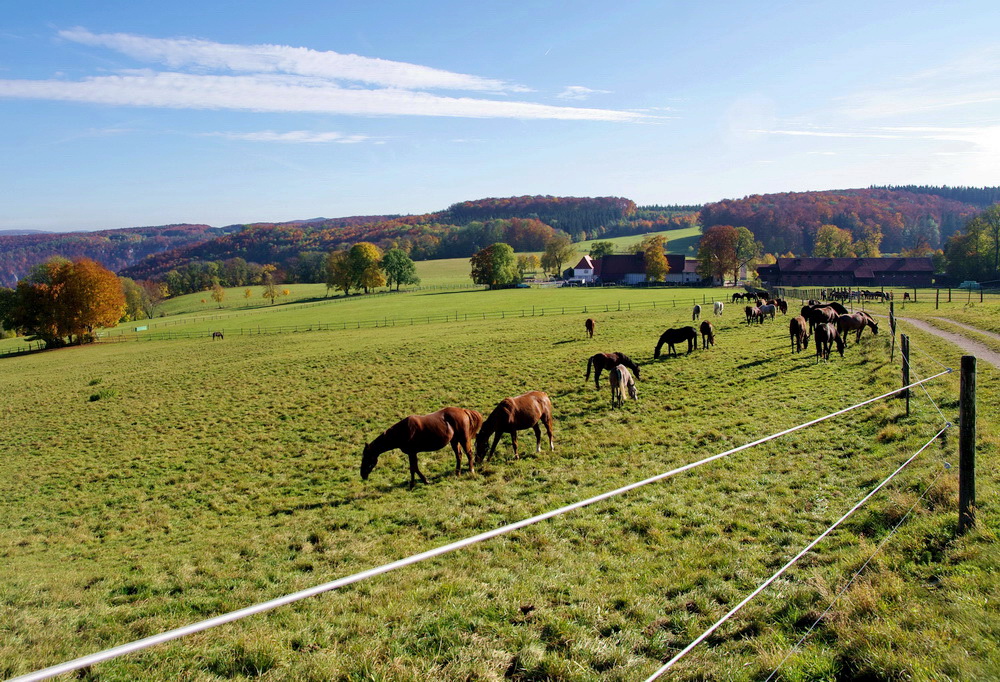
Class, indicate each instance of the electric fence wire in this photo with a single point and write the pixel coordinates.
(857, 573)
(153, 640)
(791, 562)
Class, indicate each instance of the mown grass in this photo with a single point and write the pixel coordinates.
(216, 475)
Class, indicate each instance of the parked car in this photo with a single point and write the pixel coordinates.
(969, 284)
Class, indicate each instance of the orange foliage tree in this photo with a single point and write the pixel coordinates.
(63, 301)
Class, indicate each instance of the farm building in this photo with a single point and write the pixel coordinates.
(631, 269)
(584, 270)
(848, 272)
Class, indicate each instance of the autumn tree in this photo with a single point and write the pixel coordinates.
(601, 249)
(868, 245)
(558, 250)
(153, 295)
(62, 300)
(653, 247)
(134, 295)
(494, 266)
(218, 293)
(526, 262)
(747, 251)
(833, 242)
(338, 272)
(717, 252)
(399, 268)
(270, 286)
(365, 264)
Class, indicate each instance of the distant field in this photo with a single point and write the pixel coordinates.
(151, 485)
(682, 242)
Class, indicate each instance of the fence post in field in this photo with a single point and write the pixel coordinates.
(967, 445)
(892, 329)
(949, 294)
(980, 294)
(904, 347)
(937, 298)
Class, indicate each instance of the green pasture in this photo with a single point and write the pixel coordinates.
(683, 241)
(151, 485)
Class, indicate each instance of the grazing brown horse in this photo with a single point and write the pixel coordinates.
(217, 335)
(707, 334)
(675, 336)
(856, 322)
(589, 324)
(621, 384)
(754, 315)
(603, 361)
(512, 415)
(798, 331)
(695, 312)
(826, 336)
(426, 433)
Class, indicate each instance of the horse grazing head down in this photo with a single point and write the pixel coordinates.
(369, 458)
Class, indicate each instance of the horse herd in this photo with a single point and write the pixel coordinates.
(830, 323)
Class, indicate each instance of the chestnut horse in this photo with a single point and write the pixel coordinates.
(589, 324)
(798, 331)
(512, 415)
(426, 433)
(707, 334)
(621, 384)
(675, 336)
(603, 361)
(856, 322)
(826, 336)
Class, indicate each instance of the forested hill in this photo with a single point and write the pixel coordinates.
(526, 223)
(116, 249)
(980, 197)
(788, 222)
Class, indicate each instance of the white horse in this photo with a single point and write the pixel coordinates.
(768, 310)
(717, 308)
(622, 383)
(695, 313)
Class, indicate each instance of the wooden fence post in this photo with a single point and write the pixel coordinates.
(904, 348)
(937, 298)
(967, 445)
(892, 328)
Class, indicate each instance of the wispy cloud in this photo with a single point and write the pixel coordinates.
(178, 53)
(278, 78)
(578, 92)
(273, 93)
(296, 137)
(967, 80)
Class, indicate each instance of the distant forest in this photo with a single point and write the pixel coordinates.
(526, 223)
(903, 218)
(788, 222)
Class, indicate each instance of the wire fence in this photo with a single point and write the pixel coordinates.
(177, 633)
(375, 323)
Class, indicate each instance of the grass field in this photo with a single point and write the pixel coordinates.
(150, 485)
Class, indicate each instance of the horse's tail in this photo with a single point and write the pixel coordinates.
(590, 362)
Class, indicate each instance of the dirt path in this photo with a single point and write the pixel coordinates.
(971, 347)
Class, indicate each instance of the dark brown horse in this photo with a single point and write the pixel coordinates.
(589, 324)
(798, 331)
(675, 336)
(426, 433)
(512, 415)
(217, 335)
(856, 322)
(707, 334)
(608, 361)
(754, 314)
(826, 336)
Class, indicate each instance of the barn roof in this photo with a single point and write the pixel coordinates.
(860, 267)
(586, 263)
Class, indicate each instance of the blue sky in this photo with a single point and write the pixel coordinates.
(115, 113)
